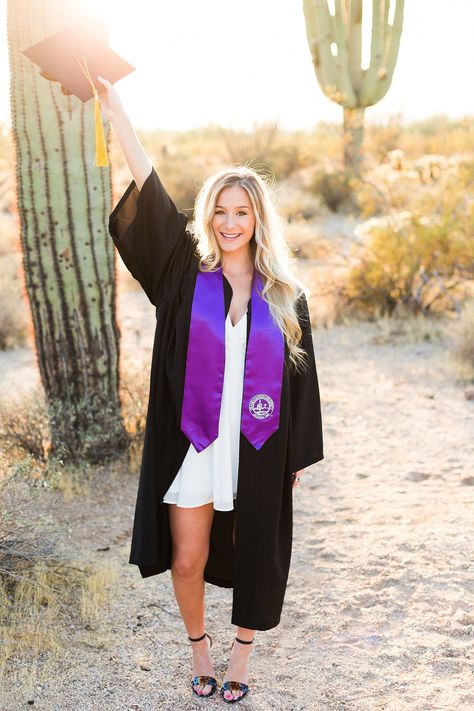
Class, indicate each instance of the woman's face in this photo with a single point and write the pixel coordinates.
(234, 219)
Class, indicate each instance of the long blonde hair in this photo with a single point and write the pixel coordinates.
(269, 249)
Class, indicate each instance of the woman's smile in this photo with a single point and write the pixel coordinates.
(234, 219)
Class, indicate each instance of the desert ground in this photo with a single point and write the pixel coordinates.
(379, 609)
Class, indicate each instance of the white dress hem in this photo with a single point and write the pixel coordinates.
(211, 475)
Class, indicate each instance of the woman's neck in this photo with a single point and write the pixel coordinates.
(237, 263)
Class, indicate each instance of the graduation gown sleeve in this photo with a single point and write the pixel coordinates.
(305, 401)
(151, 237)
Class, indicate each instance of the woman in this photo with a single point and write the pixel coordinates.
(234, 411)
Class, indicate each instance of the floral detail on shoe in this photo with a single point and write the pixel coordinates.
(204, 680)
(234, 686)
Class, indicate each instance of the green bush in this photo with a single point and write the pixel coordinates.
(27, 422)
(335, 188)
(425, 259)
(422, 263)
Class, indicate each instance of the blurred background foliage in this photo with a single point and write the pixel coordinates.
(399, 235)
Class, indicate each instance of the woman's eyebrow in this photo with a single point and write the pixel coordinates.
(237, 208)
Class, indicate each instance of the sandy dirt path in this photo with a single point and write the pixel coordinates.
(379, 610)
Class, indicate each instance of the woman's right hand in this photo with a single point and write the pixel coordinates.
(138, 161)
(110, 99)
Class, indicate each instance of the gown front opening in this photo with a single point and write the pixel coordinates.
(211, 475)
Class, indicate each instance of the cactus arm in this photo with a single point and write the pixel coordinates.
(378, 77)
(370, 80)
(391, 56)
(385, 25)
(355, 44)
(320, 33)
(341, 60)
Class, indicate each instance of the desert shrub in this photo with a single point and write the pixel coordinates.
(295, 202)
(404, 326)
(180, 174)
(25, 425)
(422, 263)
(84, 437)
(42, 589)
(278, 153)
(465, 176)
(178, 159)
(464, 343)
(14, 323)
(14, 316)
(369, 198)
(323, 147)
(438, 134)
(7, 193)
(284, 160)
(14, 313)
(424, 257)
(253, 147)
(307, 242)
(6, 146)
(335, 188)
(32, 427)
(379, 139)
(134, 391)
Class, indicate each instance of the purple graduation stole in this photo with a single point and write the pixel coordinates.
(205, 364)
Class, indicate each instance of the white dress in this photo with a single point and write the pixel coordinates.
(211, 475)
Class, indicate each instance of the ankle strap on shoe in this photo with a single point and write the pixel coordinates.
(244, 641)
(197, 639)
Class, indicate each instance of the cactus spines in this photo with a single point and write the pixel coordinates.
(335, 43)
(68, 259)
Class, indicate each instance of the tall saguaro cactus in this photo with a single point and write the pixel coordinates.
(68, 259)
(335, 42)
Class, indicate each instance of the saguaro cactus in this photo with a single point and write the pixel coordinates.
(68, 259)
(335, 42)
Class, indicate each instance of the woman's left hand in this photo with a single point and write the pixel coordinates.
(296, 476)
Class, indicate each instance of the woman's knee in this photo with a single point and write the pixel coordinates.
(188, 564)
(190, 533)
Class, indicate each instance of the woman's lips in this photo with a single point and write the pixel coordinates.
(230, 236)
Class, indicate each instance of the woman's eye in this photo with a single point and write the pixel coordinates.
(220, 212)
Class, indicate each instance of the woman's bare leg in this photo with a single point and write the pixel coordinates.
(238, 668)
(190, 533)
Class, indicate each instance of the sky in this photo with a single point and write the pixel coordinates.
(239, 63)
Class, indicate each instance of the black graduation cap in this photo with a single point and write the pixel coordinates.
(75, 57)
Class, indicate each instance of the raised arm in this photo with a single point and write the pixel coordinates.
(138, 161)
(146, 226)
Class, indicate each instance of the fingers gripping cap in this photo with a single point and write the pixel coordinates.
(75, 57)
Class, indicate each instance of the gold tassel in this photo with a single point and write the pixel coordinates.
(101, 157)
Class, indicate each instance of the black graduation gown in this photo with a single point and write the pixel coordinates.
(151, 237)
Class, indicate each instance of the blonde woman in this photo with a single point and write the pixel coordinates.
(234, 411)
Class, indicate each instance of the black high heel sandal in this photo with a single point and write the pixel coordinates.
(235, 685)
(203, 678)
